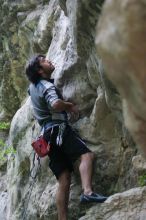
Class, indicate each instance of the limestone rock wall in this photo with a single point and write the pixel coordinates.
(127, 205)
(64, 30)
(121, 44)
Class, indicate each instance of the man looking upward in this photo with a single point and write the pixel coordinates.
(50, 110)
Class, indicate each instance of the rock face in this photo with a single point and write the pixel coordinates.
(121, 43)
(65, 32)
(3, 175)
(127, 205)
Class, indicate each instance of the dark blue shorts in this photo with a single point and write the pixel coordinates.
(63, 157)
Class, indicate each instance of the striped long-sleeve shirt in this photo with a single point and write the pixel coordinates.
(43, 95)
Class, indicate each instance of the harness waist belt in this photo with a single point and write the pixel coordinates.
(57, 116)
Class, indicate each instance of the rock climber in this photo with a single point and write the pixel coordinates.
(51, 110)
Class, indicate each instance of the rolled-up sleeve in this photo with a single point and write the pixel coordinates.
(51, 95)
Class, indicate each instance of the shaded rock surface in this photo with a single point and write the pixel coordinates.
(127, 205)
(3, 175)
(3, 191)
(65, 32)
(121, 44)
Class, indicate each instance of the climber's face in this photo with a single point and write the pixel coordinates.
(46, 68)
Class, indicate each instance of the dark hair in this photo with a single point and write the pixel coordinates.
(32, 68)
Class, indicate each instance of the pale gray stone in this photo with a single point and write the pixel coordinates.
(121, 27)
(127, 205)
(139, 163)
(65, 32)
